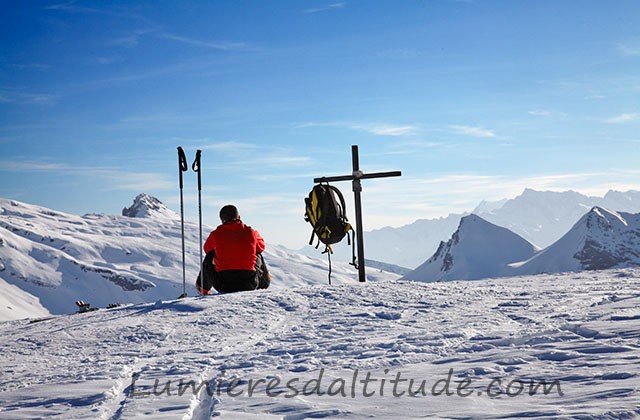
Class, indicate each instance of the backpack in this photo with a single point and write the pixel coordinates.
(325, 210)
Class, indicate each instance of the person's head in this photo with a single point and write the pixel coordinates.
(229, 213)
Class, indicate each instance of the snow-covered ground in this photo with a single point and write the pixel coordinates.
(385, 349)
(50, 259)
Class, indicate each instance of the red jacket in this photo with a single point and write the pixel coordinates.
(236, 246)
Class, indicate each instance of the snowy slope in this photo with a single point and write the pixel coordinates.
(461, 349)
(60, 258)
(478, 249)
(601, 239)
(15, 303)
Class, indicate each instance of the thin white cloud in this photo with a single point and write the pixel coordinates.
(136, 181)
(327, 8)
(386, 130)
(378, 129)
(108, 10)
(114, 179)
(628, 50)
(546, 113)
(31, 166)
(275, 160)
(71, 6)
(250, 158)
(26, 98)
(217, 45)
(624, 118)
(104, 60)
(229, 146)
(472, 131)
(132, 39)
(539, 112)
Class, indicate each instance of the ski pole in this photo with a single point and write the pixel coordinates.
(196, 168)
(182, 167)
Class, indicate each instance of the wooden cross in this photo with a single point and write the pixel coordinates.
(355, 178)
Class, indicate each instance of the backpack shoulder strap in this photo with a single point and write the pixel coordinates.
(342, 202)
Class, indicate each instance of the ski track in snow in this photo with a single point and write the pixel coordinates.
(581, 329)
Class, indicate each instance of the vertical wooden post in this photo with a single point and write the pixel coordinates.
(357, 190)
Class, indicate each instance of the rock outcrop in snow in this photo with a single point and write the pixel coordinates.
(478, 249)
(145, 205)
(601, 239)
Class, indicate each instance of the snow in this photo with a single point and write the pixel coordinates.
(16, 303)
(544, 346)
(60, 258)
(344, 351)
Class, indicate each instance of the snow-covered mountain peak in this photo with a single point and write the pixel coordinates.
(473, 221)
(601, 239)
(478, 249)
(145, 205)
(604, 217)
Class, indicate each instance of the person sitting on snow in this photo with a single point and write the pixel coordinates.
(234, 260)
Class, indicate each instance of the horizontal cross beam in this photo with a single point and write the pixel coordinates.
(357, 175)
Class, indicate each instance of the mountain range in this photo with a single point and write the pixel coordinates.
(601, 239)
(50, 259)
(540, 217)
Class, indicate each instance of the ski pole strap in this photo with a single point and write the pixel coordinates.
(353, 250)
(329, 258)
(196, 162)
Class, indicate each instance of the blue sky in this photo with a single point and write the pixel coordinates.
(471, 100)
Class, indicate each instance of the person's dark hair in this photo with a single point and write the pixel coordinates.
(228, 213)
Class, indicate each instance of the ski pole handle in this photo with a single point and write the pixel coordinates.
(196, 161)
(182, 163)
(196, 166)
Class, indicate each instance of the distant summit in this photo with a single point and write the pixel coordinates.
(145, 205)
(478, 249)
(601, 239)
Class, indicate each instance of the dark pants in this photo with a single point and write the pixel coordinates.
(229, 281)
